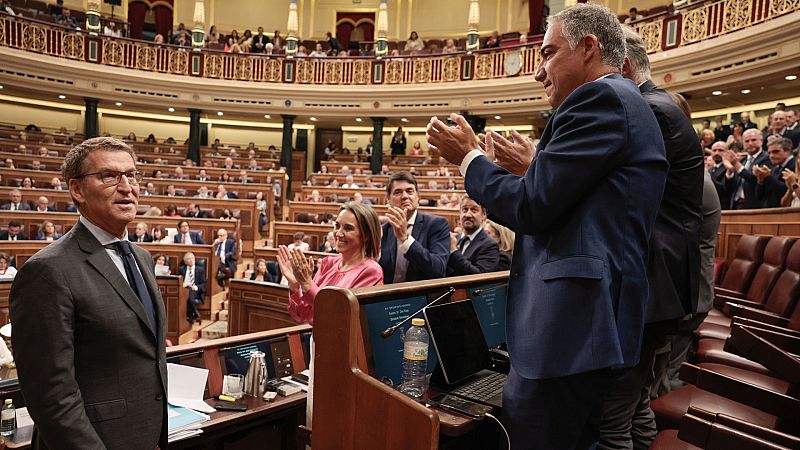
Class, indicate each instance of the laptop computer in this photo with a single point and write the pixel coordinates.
(464, 359)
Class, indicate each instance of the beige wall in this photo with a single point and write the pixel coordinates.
(162, 129)
(48, 116)
(241, 136)
(119, 11)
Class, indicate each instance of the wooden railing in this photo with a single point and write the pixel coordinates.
(693, 23)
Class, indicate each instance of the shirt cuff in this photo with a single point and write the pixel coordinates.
(468, 160)
(406, 244)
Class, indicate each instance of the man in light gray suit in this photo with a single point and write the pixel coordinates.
(89, 322)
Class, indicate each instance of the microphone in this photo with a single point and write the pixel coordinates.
(487, 290)
(390, 331)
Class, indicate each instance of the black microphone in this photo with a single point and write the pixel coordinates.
(487, 290)
(390, 331)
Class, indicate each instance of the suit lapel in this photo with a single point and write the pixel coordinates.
(100, 260)
(419, 224)
(474, 245)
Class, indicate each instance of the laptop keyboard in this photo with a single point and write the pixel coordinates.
(484, 388)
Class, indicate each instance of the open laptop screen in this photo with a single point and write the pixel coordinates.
(458, 339)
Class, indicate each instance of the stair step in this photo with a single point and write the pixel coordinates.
(215, 330)
(222, 315)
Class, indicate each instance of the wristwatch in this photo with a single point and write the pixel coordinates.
(795, 186)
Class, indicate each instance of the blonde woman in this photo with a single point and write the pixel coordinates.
(505, 239)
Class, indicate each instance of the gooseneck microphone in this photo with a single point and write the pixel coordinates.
(487, 290)
(390, 331)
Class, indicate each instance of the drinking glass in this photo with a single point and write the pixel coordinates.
(233, 385)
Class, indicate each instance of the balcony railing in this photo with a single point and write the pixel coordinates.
(687, 25)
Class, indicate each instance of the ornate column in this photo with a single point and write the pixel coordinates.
(291, 30)
(90, 117)
(93, 17)
(198, 31)
(382, 44)
(286, 151)
(194, 135)
(377, 144)
(473, 22)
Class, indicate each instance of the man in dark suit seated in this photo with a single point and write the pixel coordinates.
(225, 249)
(14, 232)
(43, 204)
(578, 290)
(475, 252)
(415, 246)
(89, 320)
(739, 177)
(16, 203)
(193, 210)
(141, 234)
(194, 279)
(187, 237)
(771, 187)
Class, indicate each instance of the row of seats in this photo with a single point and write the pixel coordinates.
(745, 369)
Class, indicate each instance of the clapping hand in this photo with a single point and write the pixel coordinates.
(399, 222)
(296, 267)
(761, 173)
(514, 155)
(452, 143)
(789, 177)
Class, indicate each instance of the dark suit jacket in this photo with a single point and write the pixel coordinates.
(92, 370)
(146, 238)
(427, 256)
(198, 215)
(196, 239)
(718, 177)
(481, 256)
(262, 39)
(230, 253)
(583, 215)
(199, 296)
(792, 135)
(773, 188)
(20, 236)
(748, 183)
(673, 266)
(22, 206)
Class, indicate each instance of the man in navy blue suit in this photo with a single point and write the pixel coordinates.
(187, 237)
(476, 251)
(771, 186)
(414, 246)
(225, 249)
(583, 215)
(739, 177)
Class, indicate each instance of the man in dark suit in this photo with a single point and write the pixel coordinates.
(194, 279)
(43, 205)
(771, 187)
(15, 203)
(260, 41)
(193, 210)
(225, 249)
(673, 265)
(722, 131)
(778, 127)
(415, 246)
(745, 119)
(187, 237)
(14, 232)
(577, 293)
(89, 341)
(475, 252)
(141, 234)
(739, 178)
(718, 171)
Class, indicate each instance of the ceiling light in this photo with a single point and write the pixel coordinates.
(267, 116)
(403, 120)
(1, 86)
(220, 113)
(791, 77)
(716, 93)
(358, 119)
(497, 117)
(62, 96)
(745, 91)
(313, 119)
(118, 103)
(171, 109)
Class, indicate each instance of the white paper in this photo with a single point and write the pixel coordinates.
(186, 385)
(303, 387)
(23, 417)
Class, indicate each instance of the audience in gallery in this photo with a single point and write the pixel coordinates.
(414, 44)
(160, 266)
(161, 236)
(140, 234)
(7, 271)
(47, 232)
(14, 232)
(299, 242)
(493, 41)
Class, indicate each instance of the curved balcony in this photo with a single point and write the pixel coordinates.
(722, 33)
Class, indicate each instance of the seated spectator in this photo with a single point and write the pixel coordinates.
(416, 150)
(414, 44)
(43, 205)
(222, 193)
(213, 35)
(27, 183)
(225, 249)
(246, 41)
(633, 15)
(202, 192)
(7, 271)
(345, 170)
(349, 183)
(15, 203)
(171, 211)
(178, 174)
(181, 29)
(358, 198)
(315, 197)
(23, 149)
(57, 9)
(474, 251)
(451, 185)
(160, 236)
(43, 151)
(229, 165)
(329, 245)
(343, 54)
(14, 232)
(160, 265)
(171, 191)
(203, 176)
(55, 184)
(262, 272)
(158, 39)
(252, 165)
(186, 237)
(151, 139)
(523, 39)
(194, 211)
(67, 19)
(505, 240)
(141, 234)
(493, 41)
(154, 211)
(37, 165)
(299, 242)
(47, 232)
(226, 214)
(263, 212)
(194, 279)
(170, 141)
(148, 189)
(333, 43)
(277, 40)
(110, 29)
(318, 52)
(243, 176)
(450, 47)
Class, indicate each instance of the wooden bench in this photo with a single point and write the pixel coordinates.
(257, 306)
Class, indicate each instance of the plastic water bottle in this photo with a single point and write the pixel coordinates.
(415, 360)
(8, 419)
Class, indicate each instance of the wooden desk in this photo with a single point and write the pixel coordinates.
(257, 306)
(175, 297)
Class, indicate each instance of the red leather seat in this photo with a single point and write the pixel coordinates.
(711, 351)
(749, 253)
(668, 440)
(670, 408)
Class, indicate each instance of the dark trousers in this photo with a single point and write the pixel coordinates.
(555, 413)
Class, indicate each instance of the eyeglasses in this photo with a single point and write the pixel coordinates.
(112, 177)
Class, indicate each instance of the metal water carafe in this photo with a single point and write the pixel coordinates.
(256, 374)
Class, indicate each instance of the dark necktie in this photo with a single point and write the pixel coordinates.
(463, 243)
(136, 281)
